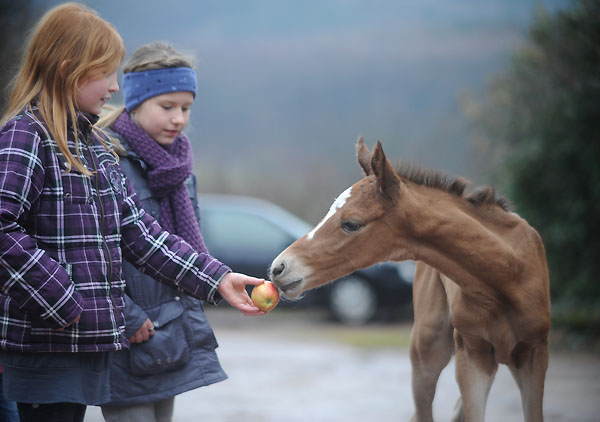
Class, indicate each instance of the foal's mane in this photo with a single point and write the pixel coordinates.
(485, 195)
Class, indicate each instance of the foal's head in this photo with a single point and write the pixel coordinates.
(357, 231)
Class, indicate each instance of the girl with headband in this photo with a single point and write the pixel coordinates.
(159, 87)
(68, 219)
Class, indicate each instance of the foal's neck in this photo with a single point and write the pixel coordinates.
(457, 238)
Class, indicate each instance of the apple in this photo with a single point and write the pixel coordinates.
(265, 296)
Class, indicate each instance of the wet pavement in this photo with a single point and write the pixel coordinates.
(295, 366)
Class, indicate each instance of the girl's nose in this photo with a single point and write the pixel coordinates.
(178, 117)
(114, 84)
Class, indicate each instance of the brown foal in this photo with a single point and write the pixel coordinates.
(481, 289)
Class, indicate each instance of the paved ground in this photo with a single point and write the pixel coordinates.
(294, 366)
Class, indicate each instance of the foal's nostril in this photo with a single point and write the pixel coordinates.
(278, 269)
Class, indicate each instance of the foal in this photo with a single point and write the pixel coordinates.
(481, 287)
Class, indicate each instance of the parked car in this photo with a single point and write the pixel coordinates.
(248, 233)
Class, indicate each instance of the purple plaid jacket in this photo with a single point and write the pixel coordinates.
(63, 237)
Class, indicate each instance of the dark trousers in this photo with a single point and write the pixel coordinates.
(8, 409)
(52, 412)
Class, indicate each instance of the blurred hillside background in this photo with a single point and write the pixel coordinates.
(503, 92)
(286, 87)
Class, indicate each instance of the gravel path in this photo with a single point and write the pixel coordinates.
(293, 366)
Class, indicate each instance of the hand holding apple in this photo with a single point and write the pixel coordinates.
(233, 289)
(265, 296)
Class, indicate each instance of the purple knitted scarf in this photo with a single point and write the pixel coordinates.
(168, 168)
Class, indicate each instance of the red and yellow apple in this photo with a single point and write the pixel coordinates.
(265, 296)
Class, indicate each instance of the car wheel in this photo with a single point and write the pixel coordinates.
(352, 300)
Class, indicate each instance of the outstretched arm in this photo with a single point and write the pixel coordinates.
(166, 257)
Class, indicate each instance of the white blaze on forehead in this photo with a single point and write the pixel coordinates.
(338, 203)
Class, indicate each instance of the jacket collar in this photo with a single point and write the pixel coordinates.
(130, 153)
(85, 121)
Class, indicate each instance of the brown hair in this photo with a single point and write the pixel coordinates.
(70, 45)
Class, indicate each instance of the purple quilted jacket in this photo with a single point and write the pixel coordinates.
(63, 237)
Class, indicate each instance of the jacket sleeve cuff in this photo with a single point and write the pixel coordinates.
(134, 317)
(213, 296)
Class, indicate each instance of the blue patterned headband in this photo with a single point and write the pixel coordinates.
(139, 86)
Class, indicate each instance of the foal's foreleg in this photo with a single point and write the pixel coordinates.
(528, 367)
(430, 352)
(475, 371)
(431, 342)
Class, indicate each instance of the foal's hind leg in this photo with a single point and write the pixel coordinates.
(476, 368)
(528, 367)
(431, 343)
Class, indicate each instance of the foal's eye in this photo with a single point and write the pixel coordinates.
(350, 226)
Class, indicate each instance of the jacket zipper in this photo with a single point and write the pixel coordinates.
(102, 228)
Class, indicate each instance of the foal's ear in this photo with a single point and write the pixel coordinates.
(364, 156)
(387, 179)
